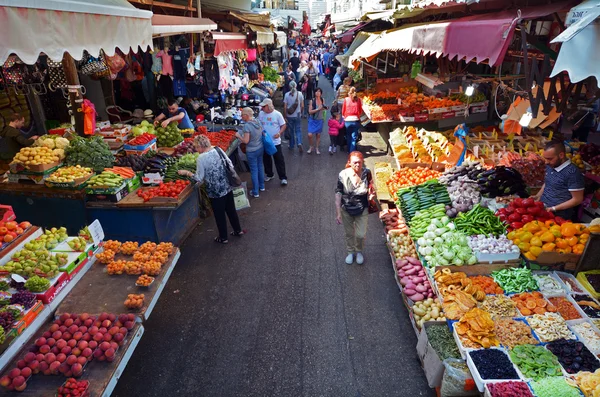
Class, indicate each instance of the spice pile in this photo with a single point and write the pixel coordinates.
(511, 332)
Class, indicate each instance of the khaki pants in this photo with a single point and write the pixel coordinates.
(355, 228)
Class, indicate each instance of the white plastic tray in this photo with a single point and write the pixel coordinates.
(479, 381)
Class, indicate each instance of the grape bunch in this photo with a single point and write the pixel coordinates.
(37, 284)
(6, 320)
(17, 285)
(25, 298)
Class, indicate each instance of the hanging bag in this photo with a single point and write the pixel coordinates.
(232, 176)
(268, 144)
(92, 66)
(58, 80)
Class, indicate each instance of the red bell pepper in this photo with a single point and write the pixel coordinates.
(514, 217)
(516, 225)
(534, 210)
(521, 211)
(526, 218)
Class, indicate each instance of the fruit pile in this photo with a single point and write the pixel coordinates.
(148, 247)
(142, 128)
(168, 137)
(536, 237)
(37, 284)
(105, 180)
(142, 139)
(78, 244)
(168, 189)
(27, 262)
(49, 240)
(85, 234)
(530, 303)
(116, 267)
(128, 247)
(144, 281)
(24, 298)
(134, 301)
(69, 344)
(11, 230)
(105, 256)
(74, 388)
(521, 211)
(133, 268)
(168, 248)
(405, 177)
(125, 172)
(36, 156)
(112, 245)
(221, 139)
(69, 174)
(151, 268)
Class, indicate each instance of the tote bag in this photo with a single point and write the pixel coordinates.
(268, 144)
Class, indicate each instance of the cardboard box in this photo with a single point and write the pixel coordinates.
(448, 115)
(430, 361)
(420, 118)
(407, 119)
(20, 168)
(554, 261)
(140, 152)
(32, 313)
(76, 184)
(113, 196)
(435, 116)
(38, 179)
(133, 183)
(48, 296)
(478, 109)
(140, 147)
(438, 110)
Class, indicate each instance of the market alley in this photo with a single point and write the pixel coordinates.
(278, 312)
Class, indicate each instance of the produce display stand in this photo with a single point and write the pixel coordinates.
(110, 291)
(103, 376)
(133, 220)
(7, 248)
(46, 207)
(46, 313)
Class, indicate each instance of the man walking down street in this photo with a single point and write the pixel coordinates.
(295, 61)
(274, 125)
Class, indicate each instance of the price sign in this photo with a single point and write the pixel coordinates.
(476, 151)
(17, 278)
(96, 232)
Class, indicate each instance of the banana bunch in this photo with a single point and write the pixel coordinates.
(105, 179)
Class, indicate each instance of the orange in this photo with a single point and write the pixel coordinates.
(561, 244)
(548, 247)
(572, 241)
(568, 230)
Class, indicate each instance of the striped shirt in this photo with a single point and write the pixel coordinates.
(560, 182)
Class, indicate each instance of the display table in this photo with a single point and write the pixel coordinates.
(99, 292)
(103, 376)
(44, 206)
(133, 220)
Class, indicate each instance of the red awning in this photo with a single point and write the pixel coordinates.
(230, 45)
(348, 35)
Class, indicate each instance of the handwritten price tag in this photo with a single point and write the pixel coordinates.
(96, 232)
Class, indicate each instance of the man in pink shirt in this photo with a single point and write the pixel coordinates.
(304, 55)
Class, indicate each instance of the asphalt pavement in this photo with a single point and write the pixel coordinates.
(277, 312)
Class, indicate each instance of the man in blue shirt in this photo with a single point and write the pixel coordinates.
(175, 113)
(562, 191)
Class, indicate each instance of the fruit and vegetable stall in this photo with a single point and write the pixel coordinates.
(486, 272)
(74, 307)
(125, 176)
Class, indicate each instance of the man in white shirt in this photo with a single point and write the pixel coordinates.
(274, 125)
(293, 108)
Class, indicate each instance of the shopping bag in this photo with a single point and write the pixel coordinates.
(240, 197)
(270, 148)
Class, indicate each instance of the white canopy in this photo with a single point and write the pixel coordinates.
(580, 51)
(53, 27)
(168, 25)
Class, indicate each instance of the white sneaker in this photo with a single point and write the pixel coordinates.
(330, 150)
(349, 259)
(262, 190)
(284, 182)
(317, 151)
(359, 258)
(268, 178)
(334, 149)
(309, 151)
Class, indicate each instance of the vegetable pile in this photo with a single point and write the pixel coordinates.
(482, 244)
(514, 389)
(530, 303)
(511, 332)
(573, 356)
(90, 152)
(135, 162)
(514, 280)
(499, 181)
(493, 364)
(442, 246)
(521, 211)
(393, 220)
(421, 197)
(554, 386)
(142, 140)
(442, 341)
(222, 139)
(169, 189)
(476, 329)
(536, 237)
(565, 308)
(401, 244)
(428, 310)
(464, 194)
(535, 362)
(419, 223)
(405, 177)
(549, 327)
(479, 220)
(531, 166)
(168, 137)
(413, 279)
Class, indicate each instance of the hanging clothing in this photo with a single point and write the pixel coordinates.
(89, 117)
(167, 63)
(211, 74)
(156, 63)
(179, 61)
(165, 86)
(179, 87)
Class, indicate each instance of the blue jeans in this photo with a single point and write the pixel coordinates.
(255, 162)
(294, 126)
(352, 134)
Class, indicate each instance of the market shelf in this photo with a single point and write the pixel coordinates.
(99, 292)
(46, 313)
(103, 376)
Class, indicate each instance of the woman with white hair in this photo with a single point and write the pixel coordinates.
(337, 79)
(251, 135)
(293, 108)
(210, 170)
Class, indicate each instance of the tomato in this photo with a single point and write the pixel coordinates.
(521, 211)
(528, 202)
(526, 218)
(518, 202)
(514, 217)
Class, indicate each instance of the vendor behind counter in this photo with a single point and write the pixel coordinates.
(13, 139)
(175, 113)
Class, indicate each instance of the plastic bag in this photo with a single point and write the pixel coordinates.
(457, 380)
(268, 144)
(240, 197)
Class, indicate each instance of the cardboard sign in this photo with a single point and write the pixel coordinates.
(96, 232)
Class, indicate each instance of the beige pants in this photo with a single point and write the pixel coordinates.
(355, 228)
